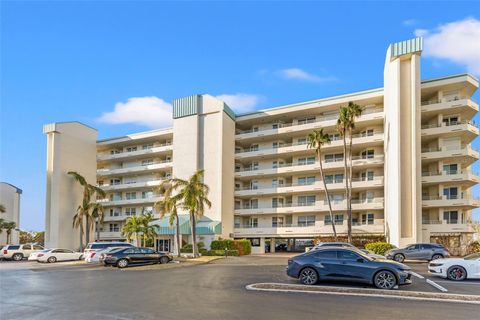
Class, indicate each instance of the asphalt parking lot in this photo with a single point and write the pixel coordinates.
(74, 290)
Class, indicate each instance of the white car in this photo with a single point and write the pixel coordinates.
(34, 255)
(94, 256)
(55, 255)
(17, 252)
(92, 251)
(457, 269)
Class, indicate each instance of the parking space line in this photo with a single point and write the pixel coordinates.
(436, 285)
(458, 282)
(417, 275)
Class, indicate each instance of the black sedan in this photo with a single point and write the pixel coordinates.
(123, 257)
(346, 264)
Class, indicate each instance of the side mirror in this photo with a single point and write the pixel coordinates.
(360, 260)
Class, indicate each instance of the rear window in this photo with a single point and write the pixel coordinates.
(101, 246)
(13, 247)
(96, 246)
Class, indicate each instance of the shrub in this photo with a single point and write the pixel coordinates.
(357, 241)
(243, 246)
(222, 244)
(474, 247)
(379, 247)
(189, 249)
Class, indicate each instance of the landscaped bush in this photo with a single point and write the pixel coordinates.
(474, 247)
(243, 246)
(379, 247)
(189, 249)
(222, 244)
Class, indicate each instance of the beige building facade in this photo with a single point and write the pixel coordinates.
(10, 199)
(412, 160)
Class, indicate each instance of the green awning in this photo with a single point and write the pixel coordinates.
(205, 226)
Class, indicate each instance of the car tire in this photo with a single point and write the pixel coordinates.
(308, 276)
(17, 257)
(385, 279)
(456, 273)
(164, 260)
(399, 257)
(436, 256)
(51, 259)
(122, 263)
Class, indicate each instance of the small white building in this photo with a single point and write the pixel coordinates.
(10, 199)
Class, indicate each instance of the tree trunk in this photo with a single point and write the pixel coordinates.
(81, 237)
(87, 231)
(350, 218)
(97, 227)
(327, 195)
(347, 190)
(178, 235)
(194, 235)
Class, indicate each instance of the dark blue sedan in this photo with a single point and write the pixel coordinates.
(347, 264)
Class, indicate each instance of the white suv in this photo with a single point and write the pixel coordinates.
(17, 252)
(91, 252)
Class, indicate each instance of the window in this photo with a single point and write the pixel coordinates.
(13, 247)
(132, 250)
(334, 178)
(306, 120)
(326, 254)
(115, 181)
(450, 168)
(147, 194)
(131, 149)
(304, 161)
(334, 137)
(130, 195)
(237, 222)
(275, 126)
(306, 221)
(255, 242)
(368, 218)
(338, 219)
(451, 217)
(253, 222)
(277, 222)
(147, 146)
(302, 181)
(347, 255)
(367, 176)
(115, 151)
(114, 227)
(277, 202)
(130, 211)
(254, 129)
(27, 247)
(146, 251)
(114, 213)
(368, 154)
(450, 121)
(37, 247)
(306, 200)
(147, 162)
(367, 133)
(413, 247)
(100, 183)
(254, 147)
(254, 166)
(276, 145)
(302, 141)
(277, 183)
(451, 193)
(254, 203)
(334, 157)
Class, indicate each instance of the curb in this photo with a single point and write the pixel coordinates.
(406, 295)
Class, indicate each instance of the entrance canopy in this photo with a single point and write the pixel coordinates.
(205, 226)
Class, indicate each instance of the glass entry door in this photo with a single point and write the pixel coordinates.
(163, 245)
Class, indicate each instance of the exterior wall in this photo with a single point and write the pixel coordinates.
(10, 199)
(71, 146)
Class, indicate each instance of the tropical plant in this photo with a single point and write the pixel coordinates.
(169, 205)
(84, 210)
(133, 228)
(2, 208)
(342, 125)
(148, 231)
(98, 213)
(25, 237)
(316, 139)
(193, 197)
(39, 238)
(9, 226)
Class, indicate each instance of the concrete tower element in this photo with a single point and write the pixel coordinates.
(71, 146)
(402, 100)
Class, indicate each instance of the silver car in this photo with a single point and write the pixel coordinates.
(418, 251)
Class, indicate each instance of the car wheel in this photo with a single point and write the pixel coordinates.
(456, 273)
(308, 276)
(385, 280)
(437, 256)
(51, 259)
(399, 257)
(17, 257)
(122, 263)
(164, 260)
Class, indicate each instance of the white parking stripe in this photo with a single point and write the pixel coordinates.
(458, 282)
(436, 285)
(417, 275)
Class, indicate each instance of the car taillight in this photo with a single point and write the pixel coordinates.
(108, 256)
(5, 251)
(93, 254)
(40, 255)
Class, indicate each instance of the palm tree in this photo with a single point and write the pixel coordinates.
(169, 205)
(84, 210)
(9, 226)
(192, 194)
(132, 228)
(342, 124)
(316, 139)
(98, 212)
(148, 231)
(2, 208)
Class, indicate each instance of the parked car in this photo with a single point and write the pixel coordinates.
(346, 264)
(124, 257)
(17, 252)
(34, 255)
(91, 252)
(418, 251)
(371, 254)
(59, 254)
(94, 256)
(457, 269)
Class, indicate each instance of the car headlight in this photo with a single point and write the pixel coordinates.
(436, 264)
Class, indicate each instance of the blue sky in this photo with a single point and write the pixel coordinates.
(64, 61)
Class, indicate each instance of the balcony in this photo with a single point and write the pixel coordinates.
(104, 235)
(323, 122)
(293, 188)
(295, 148)
(146, 168)
(318, 206)
(465, 129)
(133, 185)
(444, 227)
(303, 230)
(163, 148)
(456, 105)
(450, 201)
(464, 152)
(450, 176)
(290, 168)
(125, 202)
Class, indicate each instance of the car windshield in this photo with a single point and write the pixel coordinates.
(473, 256)
(364, 255)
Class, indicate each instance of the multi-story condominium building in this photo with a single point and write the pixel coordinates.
(10, 199)
(412, 161)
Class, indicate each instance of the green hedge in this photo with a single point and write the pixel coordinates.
(243, 246)
(221, 253)
(379, 247)
(474, 247)
(189, 249)
(222, 244)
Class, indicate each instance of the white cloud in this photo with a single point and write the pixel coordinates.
(409, 22)
(299, 74)
(151, 112)
(457, 41)
(241, 102)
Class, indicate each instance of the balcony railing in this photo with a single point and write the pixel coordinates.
(448, 148)
(308, 203)
(435, 101)
(450, 197)
(448, 124)
(134, 168)
(317, 120)
(447, 173)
